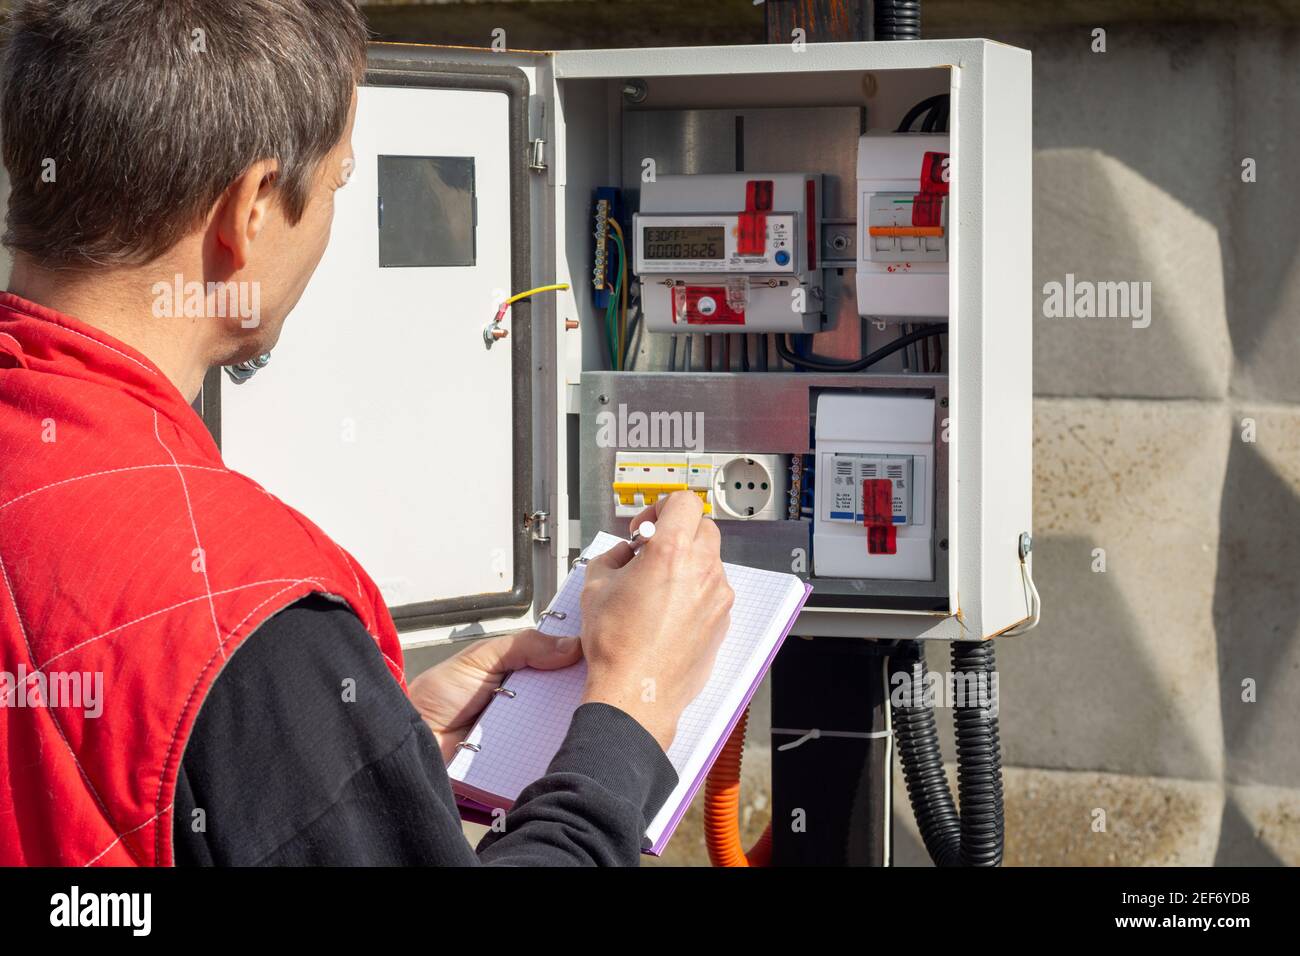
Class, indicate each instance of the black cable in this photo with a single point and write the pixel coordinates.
(927, 104)
(979, 755)
(922, 762)
(814, 364)
(973, 837)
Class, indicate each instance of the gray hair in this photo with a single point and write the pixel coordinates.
(123, 121)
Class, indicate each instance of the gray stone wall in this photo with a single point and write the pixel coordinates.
(1164, 690)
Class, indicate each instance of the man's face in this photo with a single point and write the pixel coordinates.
(285, 257)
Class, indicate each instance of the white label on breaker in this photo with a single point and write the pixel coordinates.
(849, 471)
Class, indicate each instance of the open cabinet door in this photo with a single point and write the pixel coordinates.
(383, 416)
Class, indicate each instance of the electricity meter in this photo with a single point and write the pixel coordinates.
(729, 253)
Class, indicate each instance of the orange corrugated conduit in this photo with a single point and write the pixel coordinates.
(722, 808)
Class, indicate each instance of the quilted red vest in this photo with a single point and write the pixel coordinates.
(132, 557)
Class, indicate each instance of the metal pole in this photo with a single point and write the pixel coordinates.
(831, 754)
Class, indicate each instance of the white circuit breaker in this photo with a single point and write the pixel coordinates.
(902, 269)
(732, 485)
(875, 480)
(732, 252)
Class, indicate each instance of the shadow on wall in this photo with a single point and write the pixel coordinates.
(1179, 108)
(1239, 842)
(1257, 611)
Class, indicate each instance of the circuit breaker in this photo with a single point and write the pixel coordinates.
(903, 225)
(875, 474)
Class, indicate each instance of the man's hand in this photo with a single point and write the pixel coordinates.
(451, 695)
(652, 621)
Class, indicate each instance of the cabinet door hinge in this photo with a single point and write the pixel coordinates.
(540, 524)
(537, 155)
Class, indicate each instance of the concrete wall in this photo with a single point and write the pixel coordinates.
(1174, 448)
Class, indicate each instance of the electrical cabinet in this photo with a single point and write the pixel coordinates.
(777, 300)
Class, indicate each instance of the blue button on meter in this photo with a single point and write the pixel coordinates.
(782, 257)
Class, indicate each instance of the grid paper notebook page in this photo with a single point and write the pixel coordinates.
(517, 736)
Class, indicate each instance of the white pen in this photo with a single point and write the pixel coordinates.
(643, 533)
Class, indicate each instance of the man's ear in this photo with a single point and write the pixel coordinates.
(243, 208)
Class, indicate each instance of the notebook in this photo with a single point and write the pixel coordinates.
(523, 727)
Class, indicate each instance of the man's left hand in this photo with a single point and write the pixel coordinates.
(451, 695)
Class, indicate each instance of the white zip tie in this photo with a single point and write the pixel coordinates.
(816, 734)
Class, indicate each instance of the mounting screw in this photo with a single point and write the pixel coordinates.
(635, 91)
(603, 399)
(943, 544)
(943, 402)
(1026, 544)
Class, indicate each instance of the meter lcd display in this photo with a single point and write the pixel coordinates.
(684, 242)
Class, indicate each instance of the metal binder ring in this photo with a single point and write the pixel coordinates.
(558, 615)
(505, 692)
(578, 561)
(466, 745)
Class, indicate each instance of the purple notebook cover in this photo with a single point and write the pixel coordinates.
(476, 812)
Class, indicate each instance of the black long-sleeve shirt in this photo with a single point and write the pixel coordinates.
(285, 766)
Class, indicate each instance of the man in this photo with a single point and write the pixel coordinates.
(252, 707)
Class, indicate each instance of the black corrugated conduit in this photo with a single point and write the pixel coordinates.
(898, 20)
(973, 836)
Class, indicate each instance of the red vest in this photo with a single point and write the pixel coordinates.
(129, 555)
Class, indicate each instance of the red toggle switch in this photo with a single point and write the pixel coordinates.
(878, 515)
(751, 234)
(927, 205)
(933, 168)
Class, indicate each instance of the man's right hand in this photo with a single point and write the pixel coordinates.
(653, 620)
